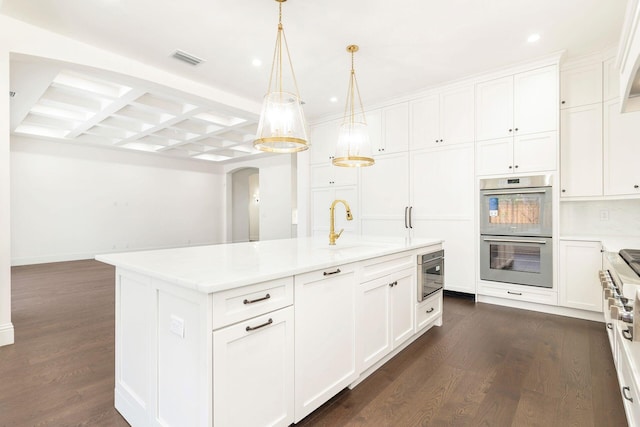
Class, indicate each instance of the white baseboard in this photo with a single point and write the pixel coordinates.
(6, 334)
(543, 308)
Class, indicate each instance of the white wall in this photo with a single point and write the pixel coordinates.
(276, 188)
(72, 202)
(254, 207)
(240, 205)
(615, 222)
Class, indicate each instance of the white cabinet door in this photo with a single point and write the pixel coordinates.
(459, 244)
(385, 315)
(581, 85)
(535, 152)
(621, 151)
(327, 175)
(252, 371)
(442, 182)
(494, 109)
(384, 192)
(323, 142)
(324, 336)
(580, 262)
(425, 122)
(403, 301)
(395, 126)
(535, 102)
(494, 156)
(581, 151)
(457, 115)
(374, 125)
(374, 327)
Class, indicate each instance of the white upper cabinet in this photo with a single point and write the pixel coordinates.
(324, 138)
(581, 151)
(519, 154)
(522, 104)
(494, 107)
(621, 151)
(535, 101)
(329, 175)
(444, 118)
(581, 85)
(389, 129)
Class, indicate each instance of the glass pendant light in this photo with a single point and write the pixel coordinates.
(354, 147)
(282, 127)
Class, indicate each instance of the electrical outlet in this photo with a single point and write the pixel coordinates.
(604, 215)
(176, 326)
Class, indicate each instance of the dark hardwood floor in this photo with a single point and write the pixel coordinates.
(487, 365)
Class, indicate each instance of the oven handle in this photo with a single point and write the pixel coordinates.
(523, 191)
(490, 239)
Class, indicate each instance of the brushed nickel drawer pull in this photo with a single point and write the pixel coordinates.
(251, 301)
(392, 284)
(627, 334)
(329, 273)
(514, 293)
(624, 394)
(430, 310)
(267, 323)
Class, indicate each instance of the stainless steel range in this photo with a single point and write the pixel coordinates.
(624, 269)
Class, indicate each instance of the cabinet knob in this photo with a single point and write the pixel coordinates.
(510, 167)
(442, 140)
(510, 130)
(563, 102)
(564, 191)
(516, 129)
(516, 166)
(635, 186)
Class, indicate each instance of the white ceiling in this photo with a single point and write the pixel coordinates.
(405, 46)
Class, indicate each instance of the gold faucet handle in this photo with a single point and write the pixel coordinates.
(339, 234)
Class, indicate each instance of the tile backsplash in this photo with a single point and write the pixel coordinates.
(600, 218)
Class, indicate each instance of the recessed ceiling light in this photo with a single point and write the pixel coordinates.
(533, 38)
(256, 62)
(333, 99)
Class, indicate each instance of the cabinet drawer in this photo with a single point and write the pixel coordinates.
(428, 310)
(235, 305)
(520, 293)
(381, 266)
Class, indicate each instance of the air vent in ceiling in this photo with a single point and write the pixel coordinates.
(186, 57)
(12, 94)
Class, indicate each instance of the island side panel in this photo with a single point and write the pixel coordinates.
(163, 361)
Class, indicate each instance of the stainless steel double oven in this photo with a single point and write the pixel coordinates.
(516, 230)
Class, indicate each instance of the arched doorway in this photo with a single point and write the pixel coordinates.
(245, 205)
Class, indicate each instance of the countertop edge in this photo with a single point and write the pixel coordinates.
(208, 288)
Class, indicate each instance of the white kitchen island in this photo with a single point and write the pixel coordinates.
(263, 333)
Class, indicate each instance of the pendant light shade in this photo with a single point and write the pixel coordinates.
(354, 147)
(282, 127)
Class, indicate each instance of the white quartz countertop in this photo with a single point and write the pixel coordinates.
(216, 268)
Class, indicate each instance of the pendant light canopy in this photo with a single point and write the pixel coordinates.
(354, 147)
(282, 127)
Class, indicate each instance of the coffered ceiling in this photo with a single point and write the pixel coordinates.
(405, 46)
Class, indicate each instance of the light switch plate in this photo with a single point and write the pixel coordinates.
(176, 326)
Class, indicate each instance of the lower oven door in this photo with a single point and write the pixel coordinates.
(519, 260)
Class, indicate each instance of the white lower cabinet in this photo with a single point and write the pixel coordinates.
(324, 336)
(252, 375)
(429, 311)
(627, 379)
(385, 315)
(580, 262)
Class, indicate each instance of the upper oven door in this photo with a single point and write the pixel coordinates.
(516, 212)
